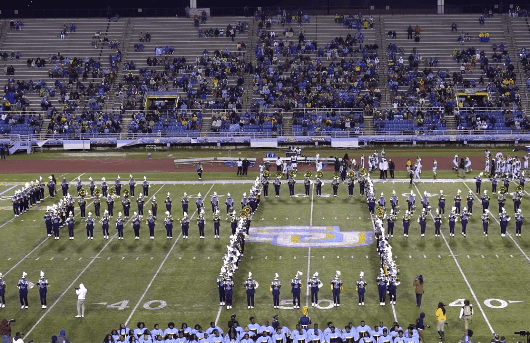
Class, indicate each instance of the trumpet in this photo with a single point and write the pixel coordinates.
(380, 212)
(126, 193)
(82, 192)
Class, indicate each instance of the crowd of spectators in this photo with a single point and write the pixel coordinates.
(88, 122)
(318, 121)
(18, 124)
(250, 121)
(231, 31)
(174, 122)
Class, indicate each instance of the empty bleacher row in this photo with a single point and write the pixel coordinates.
(268, 74)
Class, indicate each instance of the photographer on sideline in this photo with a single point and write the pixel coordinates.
(418, 283)
(81, 295)
(466, 314)
(5, 330)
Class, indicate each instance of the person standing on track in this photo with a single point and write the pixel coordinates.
(418, 283)
(441, 317)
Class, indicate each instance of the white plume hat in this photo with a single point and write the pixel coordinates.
(149, 212)
(337, 273)
(228, 195)
(145, 179)
(118, 177)
(316, 274)
(135, 213)
(90, 178)
(250, 275)
(361, 275)
(168, 194)
(199, 195)
(276, 276)
(41, 274)
(167, 213)
(24, 274)
(130, 176)
(102, 179)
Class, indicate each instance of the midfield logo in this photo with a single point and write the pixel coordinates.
(309, 236)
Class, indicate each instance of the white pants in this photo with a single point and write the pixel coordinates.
(81, 307)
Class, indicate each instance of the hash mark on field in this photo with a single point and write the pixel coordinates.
(424, 256)
(497, 256)
(251, 257)
(207, 258)
(366, 256)
(262, 218)
(35, 259)
(51, 259)
(294, 257)
(347, 217)
(323, 257)
(468, 256)
(137, 257)
(298, 218)
(410, 256)
(338, 256)
(80, 258)
(152, 257)
(274, 218)
(180, 258)
(123, 257)
(66, 258)
(511, 255)
(108, 258)
(482, 256)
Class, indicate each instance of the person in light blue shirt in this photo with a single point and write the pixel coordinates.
(334, 335)
(214, 201)
(266, 328)
(199, 202)
(64, 187)
(104, 187)
(264, 339)
(246, 338)
(216, 337)
(132, 185)
(140, 329)
(298, 335)
(156, 332)
(43, 289)
(349, 335)
(120, 222)
(171, 332)
(362, 329)
(385, 337)
(90, 226)
(253, 326)
(279, 336)
(145, 186)
(151, 222)
(296, 285)
(229, 292)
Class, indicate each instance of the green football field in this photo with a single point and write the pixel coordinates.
(158, 281)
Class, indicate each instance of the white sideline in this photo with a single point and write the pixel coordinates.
(78, 276)
(160, 268)
(477, 302)
(509, 234)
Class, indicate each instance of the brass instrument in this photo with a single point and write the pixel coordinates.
(308, 173)
(519, 189)
(243, 213)
(247, 209)
(320, 174)
(292, 172)
(380, 212)
(363, 171)
(112, 192)
(351, 174)
(279, 174)
(502, 189)
(97, 192)
(336, 174)
(266, 174)
(126, 193)
(82, 192)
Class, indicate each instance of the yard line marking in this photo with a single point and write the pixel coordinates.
(7, 190)
(160, 268)
(477, 302)
(77, 278)
(309, 249)
(509, 234)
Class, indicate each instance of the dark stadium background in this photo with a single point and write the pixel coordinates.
(98, 8)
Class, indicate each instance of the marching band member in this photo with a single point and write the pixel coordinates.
(154, 207)
(406, 223)
(105, 224)
(168, 224)
(478, 183)
(250, 286)
(336, 286)
(470, 197)
(411, 201)
(201, 221)
(315, 285)
(394, 201)
(265, 185)
(104, 187)
(291, 182)
(56, 222)
(117, 186)
(23, 286)
(452, 221)
(518, 222)
(92, 186)
(275, 289)
(390, 218)
(185, 225)
(233, 222)
(500, 200)
(199, 202)
(506, 183)
(504, 219)
(97, 205)
(335, 185)
(458, 201)
(244, 201)
(43, 289)
(494, 185)
(120, 222)
(307, 183)
(485, 200)
(277, 184)
(126, 205)
(229, 291)
(64, 186)
(392, 291)
(464, 219)
(140, 201)
(135, 222)
(151, 222)
(437, 223)
(361, 288)
(51, 186)
(216, 223)
(441, 202)
(199, 170)
(422, 219)
(296, 285)
(485, 222)
(168, 202)
(90, 226)
(370, 200)
(132, 184)
(382, 201)
(70, 222)
(351, 182)
(425, 201)
(381, 287)
(516, 197)
(319, 184)
(110, 204)
(145, 186)
(82, 206)
(79, 184)
(185, 201)
(229, 203)
(221, 289)
(48, 219)
(214, 201)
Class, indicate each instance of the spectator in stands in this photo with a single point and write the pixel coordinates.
(454, 27)
(410, 30)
